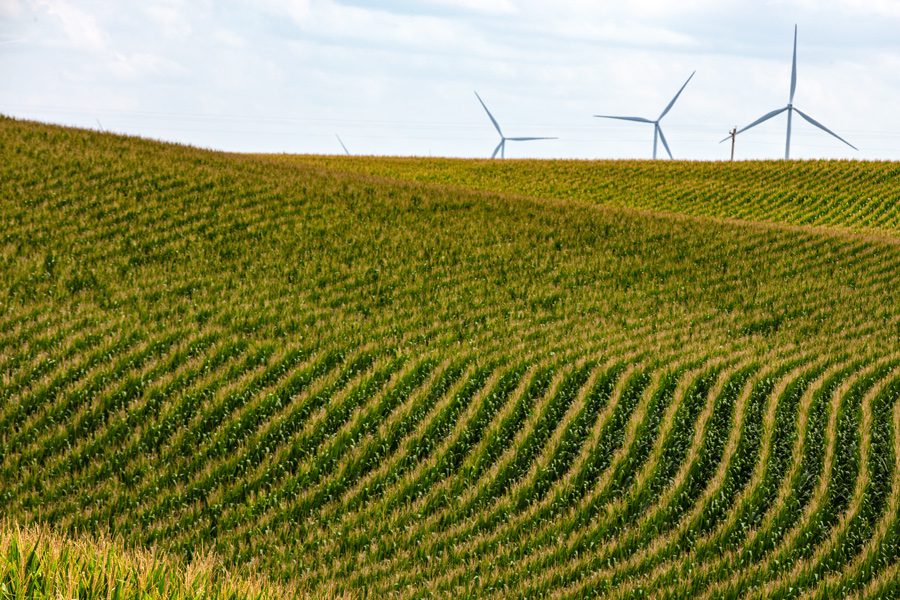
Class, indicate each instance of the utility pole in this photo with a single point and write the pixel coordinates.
(733, 134)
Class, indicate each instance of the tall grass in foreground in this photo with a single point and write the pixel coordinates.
(35, 563)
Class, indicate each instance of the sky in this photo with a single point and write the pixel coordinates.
(397, 77)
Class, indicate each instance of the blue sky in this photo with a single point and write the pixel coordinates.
(397, 77)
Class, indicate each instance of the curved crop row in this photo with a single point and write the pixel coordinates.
(413, 377)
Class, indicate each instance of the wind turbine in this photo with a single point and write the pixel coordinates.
(657, 130)
(341, 142)
(501, 147)
(791, 109)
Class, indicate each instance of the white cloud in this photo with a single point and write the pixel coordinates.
(632, 9)
(327, 19)
(491, 7)
(80, 27)
(171, 17)
(297, 10)
(888, 8)
(884, 8)
(10, 8)
(628, 32)
(134, 66)
(229, 38)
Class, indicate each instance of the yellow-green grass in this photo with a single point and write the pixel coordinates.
(409, 376)
(837, 194)
(37, 564)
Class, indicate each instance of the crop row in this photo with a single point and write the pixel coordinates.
(351, 383)
(842, 194)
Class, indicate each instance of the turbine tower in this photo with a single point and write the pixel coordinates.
(657, 130)
(791, 109)
(501, 147)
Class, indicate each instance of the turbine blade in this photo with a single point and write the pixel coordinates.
(763, 119)
(823, 128)
(529, 139)
(635, 119)
(794, 68)
(341, 142)
(675, 99)
(497, 149)
(662, 138)
(493, 120)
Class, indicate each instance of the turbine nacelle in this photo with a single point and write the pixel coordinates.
(501, 147)
(658, 134)
(790, 109)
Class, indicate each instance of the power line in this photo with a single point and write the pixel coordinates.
(406, 124)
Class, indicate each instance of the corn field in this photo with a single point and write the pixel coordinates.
(269, 376)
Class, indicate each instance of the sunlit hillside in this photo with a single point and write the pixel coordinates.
(360, 376)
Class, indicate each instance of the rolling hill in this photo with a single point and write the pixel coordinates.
(409, 377)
